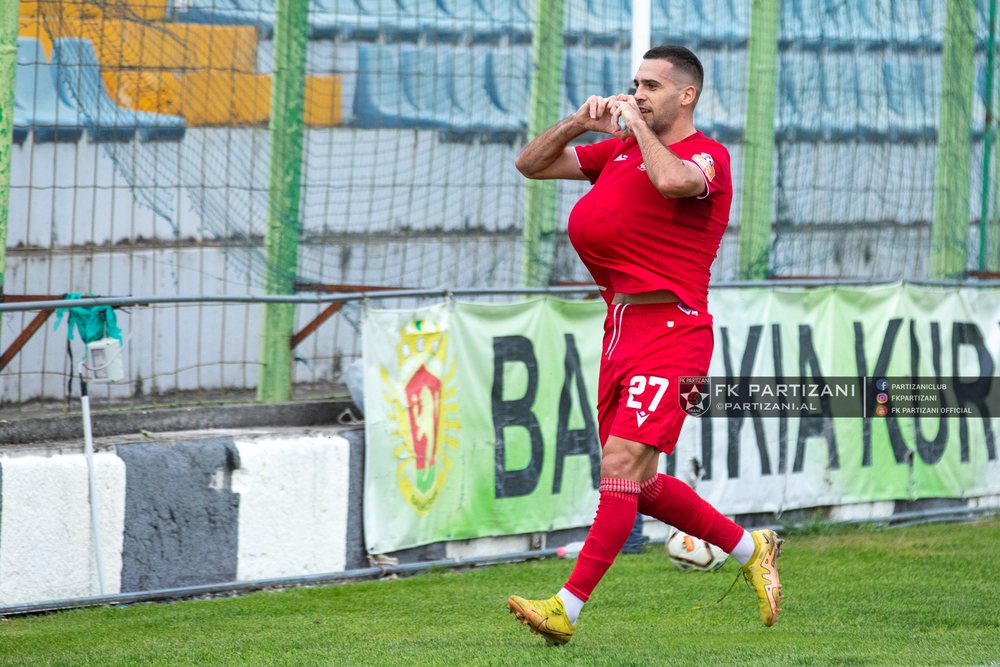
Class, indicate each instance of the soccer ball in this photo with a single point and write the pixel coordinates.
(691, 553)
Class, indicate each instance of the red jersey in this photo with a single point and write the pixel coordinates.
(633, 239)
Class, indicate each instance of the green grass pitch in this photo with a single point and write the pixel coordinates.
(924, 595)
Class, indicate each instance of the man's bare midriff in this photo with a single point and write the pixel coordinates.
(656, 296)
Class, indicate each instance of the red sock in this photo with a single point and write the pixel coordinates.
(672, 501)
(614, 521)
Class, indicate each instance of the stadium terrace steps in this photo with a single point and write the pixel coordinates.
(78, 79)
(171, 69)
(37, 104)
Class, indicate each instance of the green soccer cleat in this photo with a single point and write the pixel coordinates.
(545, 617)
(761, 572)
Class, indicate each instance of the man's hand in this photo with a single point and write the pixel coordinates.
(624, 108)
(596, 114)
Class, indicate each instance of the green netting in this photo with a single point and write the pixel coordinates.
(419, 108)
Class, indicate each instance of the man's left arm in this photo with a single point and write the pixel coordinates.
(673, 177)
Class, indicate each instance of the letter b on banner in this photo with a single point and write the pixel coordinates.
(509, 413)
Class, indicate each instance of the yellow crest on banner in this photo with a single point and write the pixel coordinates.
(421, 396)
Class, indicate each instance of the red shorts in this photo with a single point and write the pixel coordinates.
(646, 349)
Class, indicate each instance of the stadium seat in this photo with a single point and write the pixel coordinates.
(474, 21)
(514, 17)
(700, 22)
(22, 125)
(78, 79)
(213, 12)
(225, 98)
(343, 18)
(619, 70)
(395, 21)
(425, 83)
(472, 102)
(912, 88)
(586, 74)
(597, 22)
(829, 23)
(907, 23)
(721, 109)
(380, 99)
(508, 79)
(37, 101)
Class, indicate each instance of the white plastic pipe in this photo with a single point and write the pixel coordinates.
(641, 18)
(88, 454)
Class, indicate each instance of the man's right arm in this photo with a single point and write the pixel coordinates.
(549, 155)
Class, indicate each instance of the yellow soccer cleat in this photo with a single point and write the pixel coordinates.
(761, 572)
(545, 617)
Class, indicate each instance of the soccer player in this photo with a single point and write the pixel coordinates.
(648, 231)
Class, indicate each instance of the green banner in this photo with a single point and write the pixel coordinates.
(480, 419)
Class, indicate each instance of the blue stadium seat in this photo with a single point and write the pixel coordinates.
(22, 125)
(216, 12)
(472, 101)
(78, 78)
(343, 18)
(473, 20)
(435, 19)
(508, 79)
(395, 21)
(912, 90)
(260, 13)
(425, 83)
(700, 22)
(380, 99)
(597, 22)
(327, 18)
(516, 18)
(917, 23)
(586, 74)
(829, 23)
(816, 99)
(36, 100)
(621, 74)
(721, 109)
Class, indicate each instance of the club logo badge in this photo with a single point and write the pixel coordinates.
(422, 410)
(694, 394)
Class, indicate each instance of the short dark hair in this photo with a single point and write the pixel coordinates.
(682, 58)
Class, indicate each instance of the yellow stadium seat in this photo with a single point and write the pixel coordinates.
(34, 29)
(159, 92)
(190, 46)
(235, 98)
(28, 9)
(323, 101)
(79, 9)
(225, 98)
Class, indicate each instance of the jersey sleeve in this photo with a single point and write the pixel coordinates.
(712, 159)
(593, 157)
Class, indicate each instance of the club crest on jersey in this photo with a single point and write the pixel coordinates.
(421, 394)
(706, 163)
(694, 394)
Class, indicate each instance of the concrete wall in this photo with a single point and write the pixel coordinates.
(195, 509)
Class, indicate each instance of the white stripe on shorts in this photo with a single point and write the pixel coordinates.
(616, 328)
